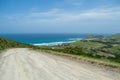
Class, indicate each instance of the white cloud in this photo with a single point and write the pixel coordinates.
(57, 16)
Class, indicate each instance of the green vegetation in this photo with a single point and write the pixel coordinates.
(5, 43)
(100, 48)
(116, 36)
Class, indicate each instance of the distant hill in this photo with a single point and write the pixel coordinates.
(116, 36)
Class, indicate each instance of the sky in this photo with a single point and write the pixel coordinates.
(59, 16)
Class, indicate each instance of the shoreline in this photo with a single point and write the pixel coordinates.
(57, 43)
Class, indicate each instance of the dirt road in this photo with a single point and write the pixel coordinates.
(25, 64)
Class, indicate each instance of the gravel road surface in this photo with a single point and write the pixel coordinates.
(26, 64)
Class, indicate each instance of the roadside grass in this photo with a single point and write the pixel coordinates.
(100, 62)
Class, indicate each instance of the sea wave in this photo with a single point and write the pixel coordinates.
(57, 43)
(51, 43)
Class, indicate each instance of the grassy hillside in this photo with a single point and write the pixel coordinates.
(100, 48)
(6, 43)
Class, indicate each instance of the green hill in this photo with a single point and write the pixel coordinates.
(6, 43)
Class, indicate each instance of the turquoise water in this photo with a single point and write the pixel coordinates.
(44, 39)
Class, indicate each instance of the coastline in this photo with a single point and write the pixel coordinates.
(44, 39)
(57, 43)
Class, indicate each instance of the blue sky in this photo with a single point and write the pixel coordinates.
(59, 16)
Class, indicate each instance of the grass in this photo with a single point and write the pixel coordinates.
(6, 43)
(86, 44)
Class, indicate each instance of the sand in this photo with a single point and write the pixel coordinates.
(25, 64)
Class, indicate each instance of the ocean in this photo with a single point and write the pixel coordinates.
(44, 39)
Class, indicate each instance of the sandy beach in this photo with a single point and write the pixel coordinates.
(26, 64)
